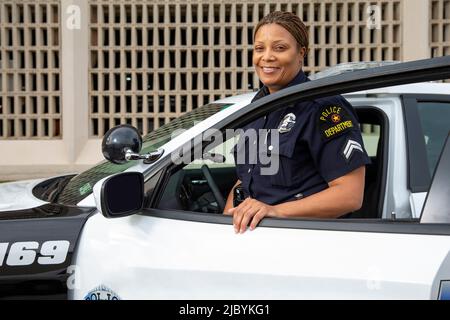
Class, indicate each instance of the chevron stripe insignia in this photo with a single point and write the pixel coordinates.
(350, 147)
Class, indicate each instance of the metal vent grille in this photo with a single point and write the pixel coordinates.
(151, 62)
(440, 28)
(30, 102)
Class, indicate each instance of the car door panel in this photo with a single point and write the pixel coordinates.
(159, 258)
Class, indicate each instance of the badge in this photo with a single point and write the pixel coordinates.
(333, 120)
(287, 123)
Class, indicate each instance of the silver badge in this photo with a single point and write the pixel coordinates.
(287, 124)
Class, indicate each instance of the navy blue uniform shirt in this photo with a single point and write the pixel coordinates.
(319, 141)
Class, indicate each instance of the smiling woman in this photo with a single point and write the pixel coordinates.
(279, 50)
(321, 154)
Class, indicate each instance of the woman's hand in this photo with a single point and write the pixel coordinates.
(250, 210)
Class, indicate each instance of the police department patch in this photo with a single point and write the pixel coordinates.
(101, 293)
(333, 120)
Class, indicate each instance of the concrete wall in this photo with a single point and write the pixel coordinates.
(44, 131)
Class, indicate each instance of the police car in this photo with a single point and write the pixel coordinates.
(146, 225)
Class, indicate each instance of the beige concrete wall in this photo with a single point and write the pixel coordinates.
(26, 159)
(75, 64)
(416, 25)
(71, 150)
(59, 131)
(439, 30)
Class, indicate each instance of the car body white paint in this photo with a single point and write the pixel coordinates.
(142, 257)
(18, 195)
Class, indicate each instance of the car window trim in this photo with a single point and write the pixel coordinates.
(419, 177)
(385, 158)
(345, 225)
(437, 201)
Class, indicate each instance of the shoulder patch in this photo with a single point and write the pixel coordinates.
(333, 120)
(349, 148)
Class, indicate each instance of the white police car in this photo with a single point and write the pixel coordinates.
(160, 234)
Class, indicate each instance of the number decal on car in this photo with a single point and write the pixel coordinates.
(25, 253)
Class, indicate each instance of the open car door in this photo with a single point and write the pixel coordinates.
(170, 254)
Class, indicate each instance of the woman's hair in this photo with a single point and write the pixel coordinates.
(291, 23)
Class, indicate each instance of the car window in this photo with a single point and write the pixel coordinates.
(223, 149)
(187, 188)
(435, 121)
(81, 185)
(371, 136)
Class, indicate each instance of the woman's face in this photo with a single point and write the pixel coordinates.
(276, 56)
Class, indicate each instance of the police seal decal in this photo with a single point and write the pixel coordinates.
(101, 293)
(287, 123)
(333, 120)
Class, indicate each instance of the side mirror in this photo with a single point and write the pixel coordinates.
(120, 195)
(119, 141)
(123, 143)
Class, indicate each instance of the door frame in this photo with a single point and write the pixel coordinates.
(402, 73)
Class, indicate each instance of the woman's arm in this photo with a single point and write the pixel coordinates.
(345, 194)
(229, 203)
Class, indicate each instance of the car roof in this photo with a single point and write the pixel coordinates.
(238, 98)
(414, 88)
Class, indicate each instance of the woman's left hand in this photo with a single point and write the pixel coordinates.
(250, 210)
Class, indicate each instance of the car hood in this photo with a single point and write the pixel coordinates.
(18, 195)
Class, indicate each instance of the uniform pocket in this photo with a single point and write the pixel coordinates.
(287, 174)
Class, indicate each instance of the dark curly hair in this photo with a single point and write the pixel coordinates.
(290, 22)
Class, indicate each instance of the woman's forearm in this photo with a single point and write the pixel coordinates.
(330, 203)
(343, 196)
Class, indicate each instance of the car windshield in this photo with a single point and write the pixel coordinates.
(81, 185)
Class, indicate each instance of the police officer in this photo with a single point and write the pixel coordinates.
(320, 149)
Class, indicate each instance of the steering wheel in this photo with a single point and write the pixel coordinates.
(215, 190)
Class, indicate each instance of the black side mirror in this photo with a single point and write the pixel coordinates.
(119, 141)
(123, 143)
(120, 195)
